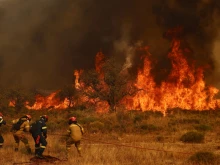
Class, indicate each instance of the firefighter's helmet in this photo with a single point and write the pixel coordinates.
(28, 117)
(72, 120)
(45, 117)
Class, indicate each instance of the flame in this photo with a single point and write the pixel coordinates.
(99, 63)
(184, 87)
(77, 74)
(48, 102)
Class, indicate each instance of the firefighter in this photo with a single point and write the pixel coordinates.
(39, 134)
(1, 123)
(74, 136)
(19, 127)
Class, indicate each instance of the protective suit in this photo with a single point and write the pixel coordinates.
(74, 136)
(1, 123)
(39, 134)
(20, 126)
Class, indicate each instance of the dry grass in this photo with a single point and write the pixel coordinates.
(160, 147)
(156, 153)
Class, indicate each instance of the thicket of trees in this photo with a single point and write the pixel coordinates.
(110, 84)
(16, 96)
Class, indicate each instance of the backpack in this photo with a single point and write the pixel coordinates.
(17, 126)
(33, 127)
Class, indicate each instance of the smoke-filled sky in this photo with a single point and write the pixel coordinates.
(43, 41)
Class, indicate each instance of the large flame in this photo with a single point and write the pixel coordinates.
(184, 87)
(49, 102)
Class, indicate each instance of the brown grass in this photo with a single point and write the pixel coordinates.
(160, 147)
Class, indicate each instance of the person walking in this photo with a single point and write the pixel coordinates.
(39, 134)
(74, 135)
(2, 121)
(19, 127)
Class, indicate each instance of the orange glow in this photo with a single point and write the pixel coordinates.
(183, 88)
(48, 102)
(99, 63)
(77, 74)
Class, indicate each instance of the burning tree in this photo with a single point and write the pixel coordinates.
(109, 82)
(70, 93)
(20, 97)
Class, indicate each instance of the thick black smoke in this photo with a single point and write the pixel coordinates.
(43, 41)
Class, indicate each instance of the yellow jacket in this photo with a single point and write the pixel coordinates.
(25, 126)
(75, 131)
(1, 123)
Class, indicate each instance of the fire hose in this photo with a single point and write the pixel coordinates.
(116, 144)
(130, 146)
(23, 163)
(123, 145)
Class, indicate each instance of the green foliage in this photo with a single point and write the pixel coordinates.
(88, 120)
(123, 116)
(205, 158)
(192, 137)
(156, 114)
(184, 121)
(20, 96)
(149, 127)
(96, 126)
(137, 119)
(203, 127)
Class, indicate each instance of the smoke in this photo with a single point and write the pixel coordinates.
(43, 41)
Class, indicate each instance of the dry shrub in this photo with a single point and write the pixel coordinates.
(203, 157)
(203, 127)
(96, 126)
(192, 137)
(89, 119)
(144, 126)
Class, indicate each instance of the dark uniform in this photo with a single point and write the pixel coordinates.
(39, 134)
(1, 123)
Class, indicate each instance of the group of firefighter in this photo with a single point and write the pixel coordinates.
(38, 130)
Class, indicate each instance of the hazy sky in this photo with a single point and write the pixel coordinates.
(43, 41)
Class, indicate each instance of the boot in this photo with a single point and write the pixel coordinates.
(40, 152)
(79, 152)
(39, 156)
(36, 151)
